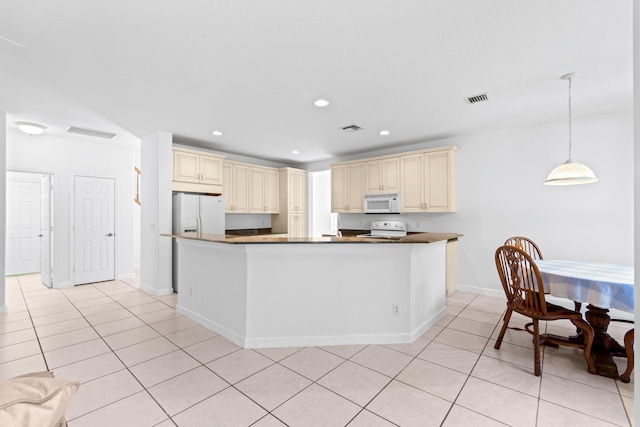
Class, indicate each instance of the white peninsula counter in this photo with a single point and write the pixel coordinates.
(263, 292)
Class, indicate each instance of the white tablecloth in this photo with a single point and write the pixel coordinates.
(602, 285)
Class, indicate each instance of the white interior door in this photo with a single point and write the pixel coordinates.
(94, 230)
(23, 226)
(45, 230)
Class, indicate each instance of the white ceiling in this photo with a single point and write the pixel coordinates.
(253, 68)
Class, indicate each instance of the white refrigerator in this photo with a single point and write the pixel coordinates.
(195, 213)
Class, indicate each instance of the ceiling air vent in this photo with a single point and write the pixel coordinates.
(91, 132)
(477, 98)
(351, 128)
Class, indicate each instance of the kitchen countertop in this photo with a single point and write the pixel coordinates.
(262, 239)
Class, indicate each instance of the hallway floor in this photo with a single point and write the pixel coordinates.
(142, 364)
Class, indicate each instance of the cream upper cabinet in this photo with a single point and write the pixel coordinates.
(236, 188)
(201, 168)
(271, 191)
(297, 190)
(428, 182)
(382, 176)
(347, 187)
(210, 170)
(263, 190)
(411, 191)
(227, 185)
(196, 171)
(186, 166)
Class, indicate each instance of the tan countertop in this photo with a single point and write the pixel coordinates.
(262, 239)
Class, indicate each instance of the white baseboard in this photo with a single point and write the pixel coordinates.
(228, 334)
(127, 276)
(4, 309)
(63, 285)
(482, 291)
(312, 341)
(154, 291)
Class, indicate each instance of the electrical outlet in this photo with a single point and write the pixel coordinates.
(395, 309)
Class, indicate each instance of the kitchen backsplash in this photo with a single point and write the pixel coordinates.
(242, 221)
(414, 221)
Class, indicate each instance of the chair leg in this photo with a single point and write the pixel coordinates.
(628, 346)
(507, 317)
(537, 364)
(588, 342)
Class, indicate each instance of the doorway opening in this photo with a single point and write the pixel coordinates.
(29, 227)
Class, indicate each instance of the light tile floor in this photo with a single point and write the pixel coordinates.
(142, 364)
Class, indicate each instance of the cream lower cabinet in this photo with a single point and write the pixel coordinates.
(293, 199)
(347, 187)
(428, 182)
(382, 176)
(297, 225)
(263, 190)
(196, 171)
(235, 188)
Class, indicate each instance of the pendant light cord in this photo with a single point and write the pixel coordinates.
(569, 118)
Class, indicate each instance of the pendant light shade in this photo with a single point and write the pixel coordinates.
(571, 172)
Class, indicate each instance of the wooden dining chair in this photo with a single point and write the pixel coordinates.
(526, 245)
(524, 290)
(530, 247)
(625, 377)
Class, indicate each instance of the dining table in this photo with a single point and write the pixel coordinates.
(603, 287)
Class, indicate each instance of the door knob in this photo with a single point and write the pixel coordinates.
(109, 235)
(39, 235)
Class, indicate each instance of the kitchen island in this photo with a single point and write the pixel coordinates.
(262, 291)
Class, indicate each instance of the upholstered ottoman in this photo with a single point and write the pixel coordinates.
(36, 399)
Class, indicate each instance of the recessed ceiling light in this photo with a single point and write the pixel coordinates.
(320, 102)
(31, 128)
(216, 133)
(384, 132)
(295, 152)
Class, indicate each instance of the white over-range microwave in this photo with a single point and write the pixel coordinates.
(382, 203)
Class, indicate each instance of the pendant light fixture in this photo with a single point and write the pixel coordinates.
(571, 172)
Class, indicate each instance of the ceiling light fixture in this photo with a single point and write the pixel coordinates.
(384, 132)
(571, 172)
(321, 103)
(216, 133)
(31, 128)
(295, 152)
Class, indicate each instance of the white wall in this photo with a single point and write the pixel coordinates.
(136, 214)
(501, 193)
(66, 158)
(320, 200)
(3, 206)
(156, 212)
